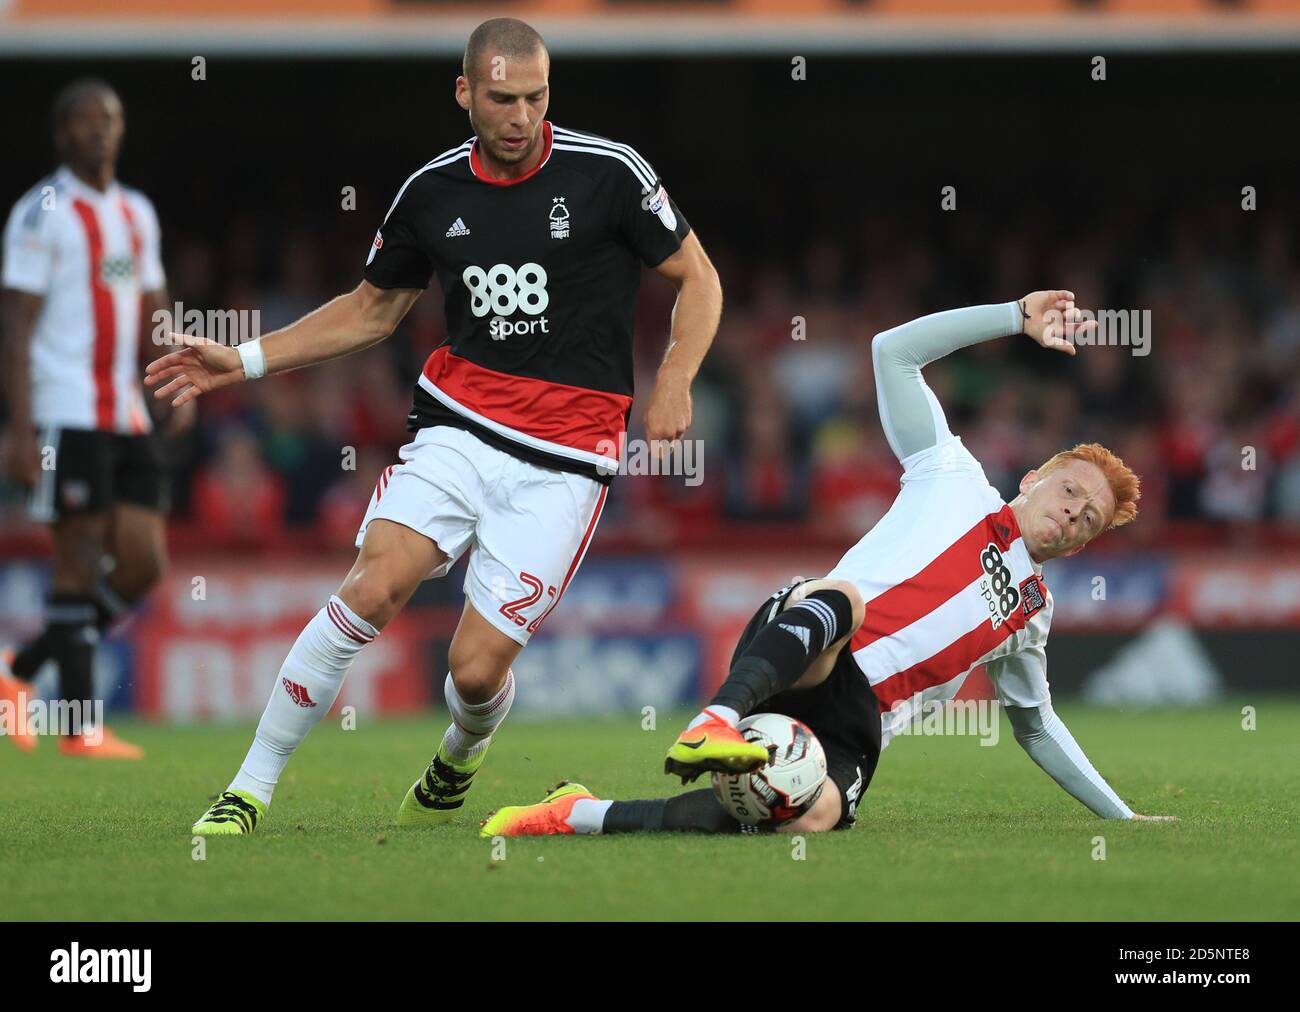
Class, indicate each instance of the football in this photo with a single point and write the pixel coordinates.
(787, 786)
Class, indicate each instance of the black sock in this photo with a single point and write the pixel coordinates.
(109, 607)
(29, 659)
(784, 648)
(635, 816)
(72, 634)
(694, 811)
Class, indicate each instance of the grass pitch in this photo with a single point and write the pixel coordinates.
(948, 830)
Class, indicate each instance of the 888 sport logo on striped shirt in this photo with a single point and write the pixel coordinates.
(119, 270)
(996, 586)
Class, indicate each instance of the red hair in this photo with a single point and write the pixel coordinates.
(1126, 485)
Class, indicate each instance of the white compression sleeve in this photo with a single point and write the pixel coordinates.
(909, 411)
(1050, 744)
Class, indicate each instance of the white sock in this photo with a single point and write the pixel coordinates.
(306, 687)
(472, 724)
(723, 712)
(588, 815)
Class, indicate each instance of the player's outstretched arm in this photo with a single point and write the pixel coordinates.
(911, 415)
(351, 322)
(1049, 743)
(1021, 681)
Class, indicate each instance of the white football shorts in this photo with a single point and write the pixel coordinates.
(527, 527)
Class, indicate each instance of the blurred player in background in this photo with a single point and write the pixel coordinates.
(538, 236)
(949, 579)
(82, 278)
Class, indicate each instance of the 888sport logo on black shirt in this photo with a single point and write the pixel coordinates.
(501, 291)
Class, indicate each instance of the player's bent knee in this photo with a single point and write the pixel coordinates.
(138, 576)
(479, 657)
(850, 590)
(477, 683)
(823, 816)
(477, 676)
(149, 574)
(372, 595)
(808, 588)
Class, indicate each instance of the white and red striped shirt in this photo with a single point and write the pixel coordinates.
(91, 255)
(949, 585)
(948, 581)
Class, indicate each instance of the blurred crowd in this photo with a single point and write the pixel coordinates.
(785, 405)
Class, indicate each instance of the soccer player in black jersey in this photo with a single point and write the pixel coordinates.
(537, 236)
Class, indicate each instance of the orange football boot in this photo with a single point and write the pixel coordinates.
(16, 694)
(549, 817)
(110, 746)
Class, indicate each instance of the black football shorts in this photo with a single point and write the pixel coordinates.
(842, 711)
(91, 471)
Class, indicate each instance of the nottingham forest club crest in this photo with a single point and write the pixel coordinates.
(559, 219)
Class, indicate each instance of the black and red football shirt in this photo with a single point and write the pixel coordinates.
(539, 276)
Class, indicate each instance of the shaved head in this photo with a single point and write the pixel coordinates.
(508, 37)
(506, 91)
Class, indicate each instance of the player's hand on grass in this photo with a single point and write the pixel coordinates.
(197, 368)
(669, 414)
(22, 463)
(1154, 818)
(1053, 321)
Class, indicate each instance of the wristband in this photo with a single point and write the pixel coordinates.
(254, 359)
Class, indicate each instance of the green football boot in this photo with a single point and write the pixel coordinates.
(235, 813)
(437, 796)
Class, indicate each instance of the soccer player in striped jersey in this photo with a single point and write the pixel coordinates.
(949, 579)
(82, 278)
(538, 237)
